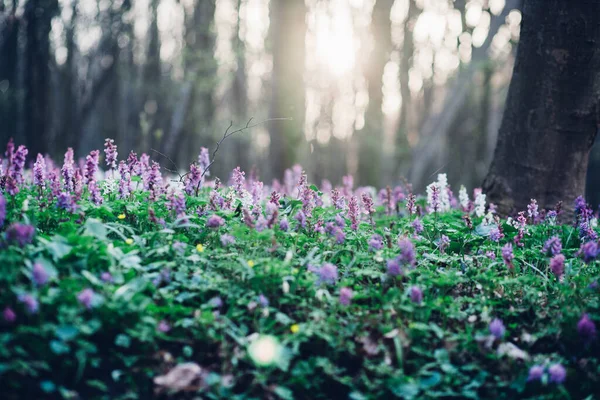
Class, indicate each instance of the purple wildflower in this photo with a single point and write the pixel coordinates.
(338, 201)
(497, 328)
(552, 245)
(433, 197)
(416, 295)
(177, 203)
(110, 151)
(495, 234)
(340, 221)
(346, 295)
(328, 274)
(106, 277)
(214, 221)
(507, 255)
(68, 170)
(192, 182)
(417, 226)
(135, 167)
(284, 225)
(301, 218)
(9, 315)
(410, 204)
(532, 211)
(263, 301)
(95, 195)
(91, 166)
(557, 265)
(125, 181)
(340, 236)
(204, 161)
(376, 242)
(86, 298)
(393, 267)
(535, 373)
(407, 252)
(163, 326)
(2, 210)
(586, 328)
(216, 302)
(39, 274)
(239, 180)
(589, 251)
(153, 180)
(20, 234)
(39, 172)
(353, 212)
(557, 373)
(443, 243)
(64, 201)
(30, 302)
(368, 204)
(490, 254)
(17, 164)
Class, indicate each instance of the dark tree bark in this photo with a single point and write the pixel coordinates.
(288, 34)
(38, 15)
(371, 136)
(9, 52)
(552, 111)
(239, 97)
(408, 47)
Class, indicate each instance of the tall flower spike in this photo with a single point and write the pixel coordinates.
(91, 166)
(110, 151)
(39, 172)
(433, 197)
(353, 212)
(68, 170)
(204, 161)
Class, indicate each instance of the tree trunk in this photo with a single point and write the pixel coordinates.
(552, 111)
(9, 53)
(371, 136)
(38, 15)
(288, 34)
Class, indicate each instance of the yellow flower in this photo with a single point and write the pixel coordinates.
(129, 241)
(294, 328)
(122, 216)
(251, 263)
(199, 248)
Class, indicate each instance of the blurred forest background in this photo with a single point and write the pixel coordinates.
(382, 89)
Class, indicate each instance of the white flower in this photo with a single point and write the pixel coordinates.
(444, 196)
(433, 203)
(265, 350)
(109, 186)
(285, 286)
(246, 199)
(463, 198)
(479, 203)
(594, 222)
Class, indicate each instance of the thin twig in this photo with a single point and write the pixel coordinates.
(172, 162)
(228, 134)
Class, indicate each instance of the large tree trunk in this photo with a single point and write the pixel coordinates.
(288, 34)
(9, 53)
(38, 15)
(371, 136)
(552, 111)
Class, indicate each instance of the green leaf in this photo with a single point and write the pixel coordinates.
(123, 341)
(67, 332)
(59, 347)
(94, 227)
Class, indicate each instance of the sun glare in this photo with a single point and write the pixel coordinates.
(334, 41)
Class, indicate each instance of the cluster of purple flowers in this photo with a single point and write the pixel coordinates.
(556, 373)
